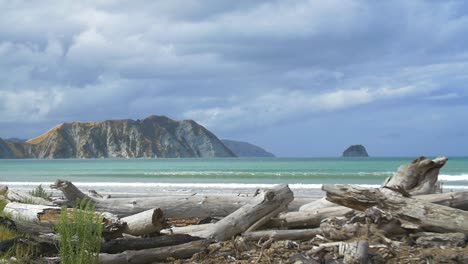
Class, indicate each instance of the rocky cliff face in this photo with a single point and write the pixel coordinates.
(355, 151)
(14, 150)
(244, 149)
(5, 151)
(152, 137)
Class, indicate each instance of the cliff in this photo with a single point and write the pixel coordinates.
(152, 137)
(355, 151)
(13, 150)
(244, 149)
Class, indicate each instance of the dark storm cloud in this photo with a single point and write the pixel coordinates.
(237, 67)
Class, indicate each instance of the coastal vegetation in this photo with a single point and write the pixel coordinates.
(80, 233)
(39, 191)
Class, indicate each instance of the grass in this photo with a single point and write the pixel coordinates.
(40, 192)
(19, 253)
(80, 234)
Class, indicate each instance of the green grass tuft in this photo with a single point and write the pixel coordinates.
(80, 234)
(40, 192)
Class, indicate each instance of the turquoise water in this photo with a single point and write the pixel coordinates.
(305, 173)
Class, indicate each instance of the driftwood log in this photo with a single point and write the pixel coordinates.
(123, 244)
(153, 255)
(144, 223)
(271, 200)
(457, 200)
(428, 216)
(303, 219)
(49, 215)
(195, 206)
(21, 197)
(276, 235)
(417, 177)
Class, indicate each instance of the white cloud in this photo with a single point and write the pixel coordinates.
(278, 105)
(441, 97)
(28, 105)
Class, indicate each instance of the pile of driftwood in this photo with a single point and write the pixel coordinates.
(407, 220)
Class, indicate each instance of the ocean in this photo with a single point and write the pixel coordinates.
(219, 176)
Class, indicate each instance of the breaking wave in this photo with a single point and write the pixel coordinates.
(461, 177)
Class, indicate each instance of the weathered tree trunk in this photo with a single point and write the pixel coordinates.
(21, 197)
(175, 206)
(417, 177)
(26, 227)
(144, 223)
(71, 192)
(239, 221)
(190, 229)
(307, 218)
(429, 216)
(49, 215)
(121, 245)
(33, 212)
(153, 255)
(276, 235)
(457, 200)
(317, 205)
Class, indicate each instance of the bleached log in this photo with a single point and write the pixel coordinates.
(71, 192)
(307, 218)
(417, 177)
(49, 215)
(457, 200)
(176, 206)
(429, 216)
(317, 205)
(276, 235)
(144, 223)
(152, 255)
(239, 221)
(123, 244)
(22, 197)
(32, 212)
(190, 229)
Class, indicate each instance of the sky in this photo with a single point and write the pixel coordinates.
(299, 78)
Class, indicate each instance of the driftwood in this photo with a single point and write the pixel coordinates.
(144, 223)
(276, 235)
(43, 245)
(317, 205)
(307, 218)
(176, 206)
(271, 200)
(152, 255)
(21, 197)
(25, 227)
(417, 177)
(457, 200)
(123, 244)
(429, 216)
(147, 222)
(49, 215)
(190, 229)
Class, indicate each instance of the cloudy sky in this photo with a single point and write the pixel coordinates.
(300, 78)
